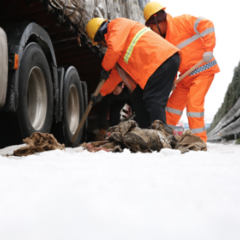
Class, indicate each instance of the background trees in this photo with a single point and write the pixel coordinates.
(231, 97)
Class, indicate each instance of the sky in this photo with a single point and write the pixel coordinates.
(225, 17)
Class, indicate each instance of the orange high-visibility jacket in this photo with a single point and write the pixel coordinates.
(137, 49)
(193, 36)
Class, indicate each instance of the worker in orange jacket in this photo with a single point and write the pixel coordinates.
(136, 49)
(196, 38)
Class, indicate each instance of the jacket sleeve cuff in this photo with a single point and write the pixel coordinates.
(103, 93)
(209, 50)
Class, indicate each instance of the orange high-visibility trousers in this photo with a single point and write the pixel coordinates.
(190, 93)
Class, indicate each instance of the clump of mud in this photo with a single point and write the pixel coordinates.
(128, 135)
(38, 142)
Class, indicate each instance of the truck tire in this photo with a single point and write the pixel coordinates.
(35, 105)
(73, 106)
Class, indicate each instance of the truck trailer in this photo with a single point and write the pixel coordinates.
(48, 66)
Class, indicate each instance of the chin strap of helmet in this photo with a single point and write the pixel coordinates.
(155, 18)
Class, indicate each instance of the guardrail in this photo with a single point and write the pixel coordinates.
(228, 125)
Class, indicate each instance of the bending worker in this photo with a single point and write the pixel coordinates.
(151, 61)
(196, 39)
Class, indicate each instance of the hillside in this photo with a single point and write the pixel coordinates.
(231, 97)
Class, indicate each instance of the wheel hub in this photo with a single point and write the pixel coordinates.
(37, 98)
(73, 109)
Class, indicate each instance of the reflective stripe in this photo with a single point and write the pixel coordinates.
(196, 24)
(172, 110)
(133, 43)
(203, 68)
(198, 130)
(188, 41)
(195, 114)
(172, 126)
(207, 31)
(197, 36)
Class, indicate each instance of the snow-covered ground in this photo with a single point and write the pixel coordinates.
(74, 194)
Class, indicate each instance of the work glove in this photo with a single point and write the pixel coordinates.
(101, 135)
(207, 56)
(96, 99)
(104, 74)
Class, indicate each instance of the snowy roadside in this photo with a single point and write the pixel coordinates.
(74, 194)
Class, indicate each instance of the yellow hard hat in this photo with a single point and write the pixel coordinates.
(152, 8)
(93, 26)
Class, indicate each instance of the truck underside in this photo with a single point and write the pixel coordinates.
(67, 50)
(63, 36)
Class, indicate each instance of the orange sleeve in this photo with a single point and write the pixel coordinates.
(206, 28)
(110, 84)
(201, 26)
(116, 39)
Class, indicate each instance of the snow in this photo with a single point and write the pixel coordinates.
(73, 194)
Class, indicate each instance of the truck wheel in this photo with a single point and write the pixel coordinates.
(73, 106)
(35, 106)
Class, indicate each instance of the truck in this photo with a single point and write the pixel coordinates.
(48, 66)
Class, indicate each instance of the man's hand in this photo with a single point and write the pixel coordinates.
(96, 99)
(207, 56)
(104, 74)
